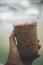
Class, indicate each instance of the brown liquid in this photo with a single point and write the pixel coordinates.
(26, 35)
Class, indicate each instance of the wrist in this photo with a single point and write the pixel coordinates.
(12, 61)
(8, 63)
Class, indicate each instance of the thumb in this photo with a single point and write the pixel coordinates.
(12, 40)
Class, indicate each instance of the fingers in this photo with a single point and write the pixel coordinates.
(38, 41)
(39, 45)
(31, 58)
(37, 56)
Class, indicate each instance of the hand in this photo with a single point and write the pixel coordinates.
(14, 55)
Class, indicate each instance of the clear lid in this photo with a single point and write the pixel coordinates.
(26, 16)
(23, 12)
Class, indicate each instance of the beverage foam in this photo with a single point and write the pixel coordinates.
(24, 19)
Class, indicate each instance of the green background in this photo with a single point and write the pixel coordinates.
(4, 46)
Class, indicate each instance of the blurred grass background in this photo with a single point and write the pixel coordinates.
(4, 46)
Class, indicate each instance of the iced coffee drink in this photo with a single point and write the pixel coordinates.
(26, 35)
